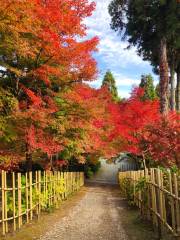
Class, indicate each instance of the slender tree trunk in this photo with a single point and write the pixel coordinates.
(164, 77)
(28, 158)
(178, 90)
(173, 90)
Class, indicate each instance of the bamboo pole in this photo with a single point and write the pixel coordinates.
(147, 178)
(67, 183)
(72, 182)
(50, 197)
(163, 198)
(59, 195)
(177, 205)
(36, 190)
(52, 184)
(159, 203)
(5, 202)
(19, 201)
(2, 190)
(39, 190)
(61, 184)
(44, 187)
(27, 199)
(14, 200)
(153, 197)
(160, 195)
(171, 200)
(65, 187)
(30, 196)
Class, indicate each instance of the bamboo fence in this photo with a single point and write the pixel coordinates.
(24, 196)
(157, 194)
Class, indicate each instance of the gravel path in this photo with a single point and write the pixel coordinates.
(96, 216)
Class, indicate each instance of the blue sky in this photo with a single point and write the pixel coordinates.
(125, 65)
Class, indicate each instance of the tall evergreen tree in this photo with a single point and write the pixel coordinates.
(152, 26)
(149, 89)
(110, 83)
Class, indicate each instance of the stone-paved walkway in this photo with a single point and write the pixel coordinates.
(97, 216)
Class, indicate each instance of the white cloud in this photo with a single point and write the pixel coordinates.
(111, 48)
(125, 65)
(122, 80)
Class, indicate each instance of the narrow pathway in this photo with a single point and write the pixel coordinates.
(97, 216)
(108, 173)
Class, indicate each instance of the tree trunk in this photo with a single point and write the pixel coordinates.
(178, 90)
(164, 77)
(29, 161)
(28, 158)
(173, 91)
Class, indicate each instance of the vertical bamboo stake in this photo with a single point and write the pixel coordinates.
(36, 191)
(50, 189)
(77, 174)
(139, 192)
(19, 201)
(134, 189)
(51, 195)
(27, 199)
(135, 194)
(160, 195)
(59, 195)
(65, 184)
(76, 181)
(159, 203)
(57, 192)
(61, 184)
(2, 190)
(44, 186)
(14, 201)
(153, 196)
(39, 190)
(147, 177)
(54, 188)
(61, 175)
(69, 183)
(163, 198)
(30, 195)
(5, 201)
(176, 190)
(171, 200)
(72, 182)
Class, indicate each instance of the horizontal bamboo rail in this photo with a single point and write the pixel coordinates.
(23, 196)
(157, 194)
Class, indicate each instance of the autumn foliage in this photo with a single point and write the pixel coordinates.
(144, 131)
(47, 111)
